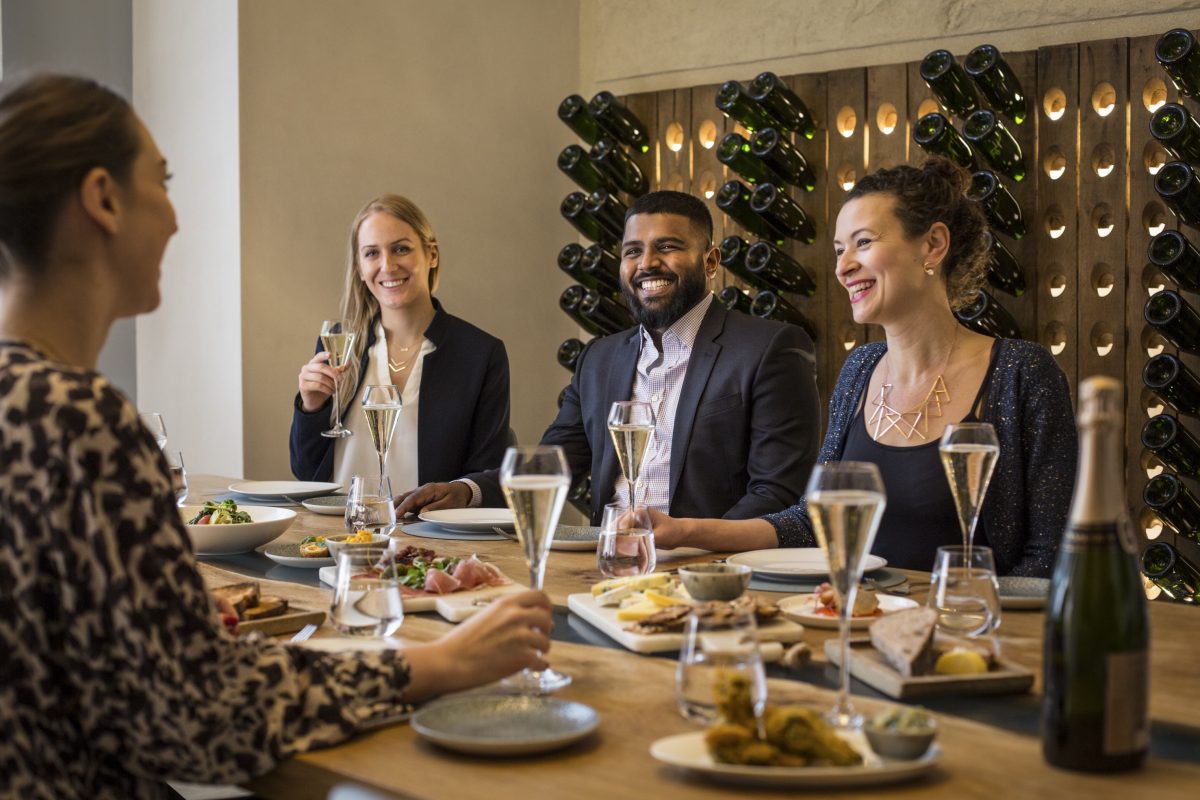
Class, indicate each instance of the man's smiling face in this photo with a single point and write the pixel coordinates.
(665, 264)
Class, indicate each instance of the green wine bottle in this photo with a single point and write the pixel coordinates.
(984, 315)
(999, 205)
(734, 199)
(576, 165)
(574, 210)
(1176, 51)
(573, 260)
(769, 305)
(782, 213)
(573, 111)
(1172, 503)
(734, 152)
(733, 258)
(604, 312)
(1095, 710)
(998, 82)
(783, 104)
(1175, 319)
(775, 269)
(619, 167)
(949, 83)
(1004, 271)
(568, 353)
(735, 103)
(936, 136)
(783, 159)
(619, 121)
(602, 269)
(1175, 257)
(734, 299)
(1169, 571)
(1171, 442)
(1174, 127)
(1177, 185)
(569, 302)
(1166, 376)
(985, 130)
(609, 211)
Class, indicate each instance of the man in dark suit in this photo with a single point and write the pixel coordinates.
(735, 397)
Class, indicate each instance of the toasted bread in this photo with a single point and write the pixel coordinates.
(240, 595)
(268, 606)
(905, 639)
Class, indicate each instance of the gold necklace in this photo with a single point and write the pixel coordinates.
(916, 419)
(405, 361)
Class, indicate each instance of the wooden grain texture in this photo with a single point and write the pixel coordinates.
(888, 128)
(847, 159)
(707, 127)
(673, 145)
(1025, 192)
(868, 665)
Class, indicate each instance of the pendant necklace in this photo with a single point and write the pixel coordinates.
(405, 361)
(915, 421)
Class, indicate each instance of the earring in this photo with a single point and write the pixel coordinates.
(929, 268)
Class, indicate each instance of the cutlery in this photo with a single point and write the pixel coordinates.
(305, 632)
(505, 534)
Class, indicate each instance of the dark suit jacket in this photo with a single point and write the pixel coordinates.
(746, 428)
(462, 419)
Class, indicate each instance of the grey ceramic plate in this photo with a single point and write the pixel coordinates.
(1017, 592)
(289, 556)
(575, 537)
(332, 504)
(504, 725)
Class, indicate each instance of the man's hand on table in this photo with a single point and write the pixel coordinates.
(432, 497)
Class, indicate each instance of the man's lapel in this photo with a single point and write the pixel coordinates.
(700, 366)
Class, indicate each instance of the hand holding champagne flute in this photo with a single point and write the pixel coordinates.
(631, 424)
(337, 339)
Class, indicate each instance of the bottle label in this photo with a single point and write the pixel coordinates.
(1084, 536)
(1126, 715)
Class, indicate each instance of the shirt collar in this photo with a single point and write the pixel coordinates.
(686, 328)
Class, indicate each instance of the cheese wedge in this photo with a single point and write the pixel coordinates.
(614, 596)
(663, 599)
(638, 612)
(636, 583)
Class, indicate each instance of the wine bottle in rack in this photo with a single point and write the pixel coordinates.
(783, 159)
(575, 260)
(733, 258)
(1176, 51)
(570, 261)
(619, 121)
(775, 269)
(576, 165)
(604, 312)
(985, 130)
(620, 168)
(608, 210)
(1175, 319)
(769, 305)
(1169, 571)
(734, 152)
(782, 212)
(1174, 127)
(603, 268)
(984, 315)
(1174, 504)
(735, 103)
(735, 299)
(1004, 271)
(569, 352)
(936, 136)
(1173, 444)
(569, 301)
(997, 81)
(1178, 186)
(783, 104)
(1174, 256)
(1001, 208)
(949, 83)
(1166, 376)
(734, 199)
(573, 111)
(574, 210)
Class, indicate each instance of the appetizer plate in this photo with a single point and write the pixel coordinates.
(688, 750)
(788, 563)
(1021, 593)
(802, 608)
(289, 556)
(427, 530)
(869, 666)
(504, 725)
(575, 537)
(267, 524)
(331, 504)
(453, 607)
(471, 520)
(282, 490)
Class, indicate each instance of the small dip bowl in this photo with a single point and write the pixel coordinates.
(906, 742)
(338, 542)
(715, 581)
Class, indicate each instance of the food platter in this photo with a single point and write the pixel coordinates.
(453, 607)
(802, 608)
(868, 665)
(289, 556)
(504, 725)
(789, 563)
(282, 490)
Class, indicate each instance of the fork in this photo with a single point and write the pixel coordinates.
(305, 632)
(505, 533)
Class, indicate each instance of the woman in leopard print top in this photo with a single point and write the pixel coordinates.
(115, 674)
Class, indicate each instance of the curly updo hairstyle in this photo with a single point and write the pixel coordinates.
(936, 192)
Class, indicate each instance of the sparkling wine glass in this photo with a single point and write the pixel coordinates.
(626, 545)
(969, 451)
(631, 424)
(381, 406)
(157, 427)
(845, 503)
(337, 339)
(370, 506)
(535, 480)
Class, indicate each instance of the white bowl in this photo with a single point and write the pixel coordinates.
(267, 525)
(335, 543)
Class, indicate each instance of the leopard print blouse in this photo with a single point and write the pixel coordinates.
(115, 674)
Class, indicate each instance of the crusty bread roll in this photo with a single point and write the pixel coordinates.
(905, 639)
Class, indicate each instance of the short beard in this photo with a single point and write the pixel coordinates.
(689, 290)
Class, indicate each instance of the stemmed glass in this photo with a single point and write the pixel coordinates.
(381, 406)
(370, 506)
(157, 427)
(845, 502)
(630, 424)
(337, 339)
(626, 544)
(969, 451)
(535, 480)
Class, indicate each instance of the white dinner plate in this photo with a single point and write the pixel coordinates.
(787, 563)
(1023, 594)
(802, 608)
(289, 556)
(504, 725)
(470, 520)
(688, 750)
(331, 504)
(282, 490)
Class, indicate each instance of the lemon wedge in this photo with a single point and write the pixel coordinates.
(960, 662)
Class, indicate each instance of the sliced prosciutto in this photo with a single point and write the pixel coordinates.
(472, 573)
(440, 582)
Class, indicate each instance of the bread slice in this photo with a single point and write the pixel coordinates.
(268, 606)
(905, 640)
(240, 595)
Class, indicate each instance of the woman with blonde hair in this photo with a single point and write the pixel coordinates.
(452, 376)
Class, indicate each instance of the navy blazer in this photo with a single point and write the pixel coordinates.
(746, 427)
(463, 410)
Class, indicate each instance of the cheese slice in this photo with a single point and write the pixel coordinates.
(638, 612)
(614, 596)
(664, 598)
(637, 583)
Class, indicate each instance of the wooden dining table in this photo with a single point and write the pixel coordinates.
(989, 745)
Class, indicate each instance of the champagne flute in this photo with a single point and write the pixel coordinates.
(845, 502)
(337, 339)
(381, 406)
(626, 545)
(157, 427)
(535, 480)
(969, 451)
(630, 424)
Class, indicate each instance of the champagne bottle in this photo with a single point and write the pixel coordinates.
(1177, 131)
(1172, 503)
(936, 136)
(573, 111)
(984, 315)
(998, 82)
(604, 313)
(734, 152)
(985, 130)
(949, 83)
(569, 352)
(618, 121)
(1171, 442)
(575, 164)
(1169, 571)
(573, 260)
(1175, 257)
(619, 167)
(734, 299)
(569, 261)
(609, 211)
(783, 104)
(1175, 319)
(1178, 187)
(733, 258)
(1095, 711)
(734, 199)
(602, 268)
(782, 213)
(1166, 376)
(783, 159)
(769, 305)
(1176, 51)
(574, 210)
(775, 269)
(569, 301)
(735, 103)
(1004, 271)
(999, 205)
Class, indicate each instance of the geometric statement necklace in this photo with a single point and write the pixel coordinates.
(915, 421)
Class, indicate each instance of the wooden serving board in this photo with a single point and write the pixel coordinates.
(605, 618)
(292, 621)
(452, 607)
(868, 665)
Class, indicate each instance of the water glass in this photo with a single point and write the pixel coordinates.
(370, 506)
(715, 648)
(367, 596)
(157, 427)
(964, 591)
(626, 542)
(178, 473)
